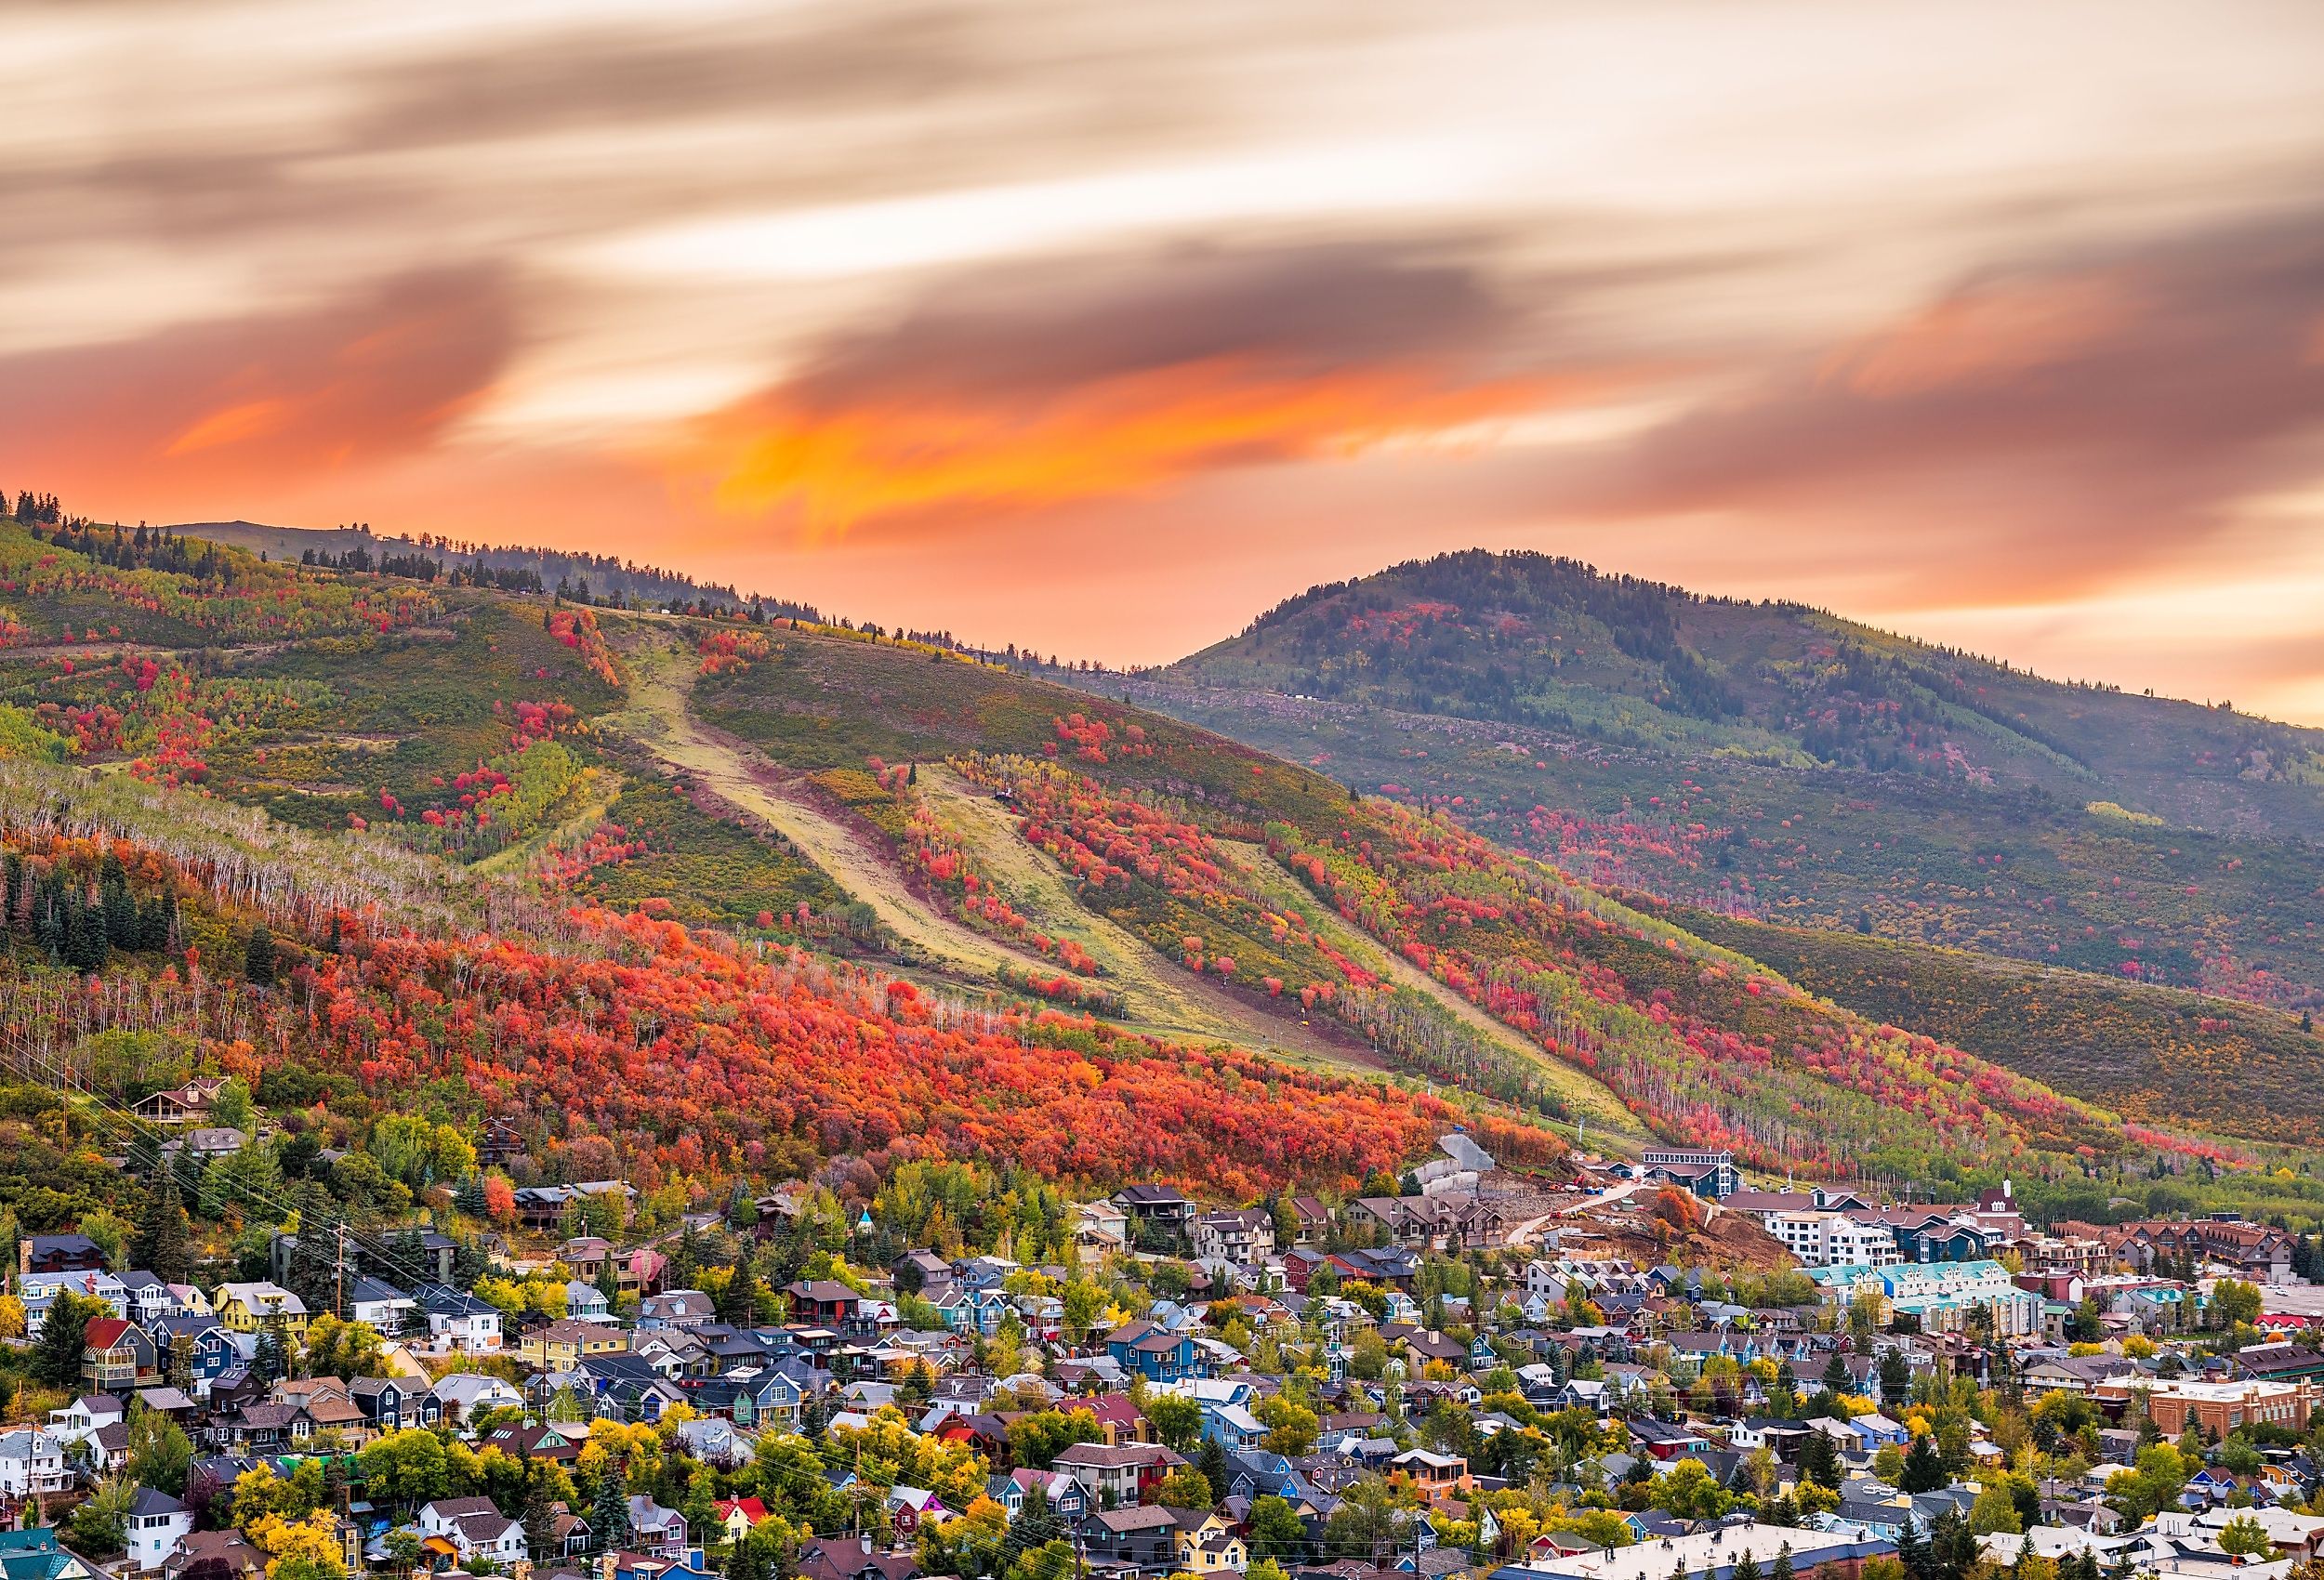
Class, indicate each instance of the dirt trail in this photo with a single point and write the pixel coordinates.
(657, 716)
(1161, 997)
(1610, 1123)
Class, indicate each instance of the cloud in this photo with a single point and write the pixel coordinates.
(1078, 379)
(2074, 417)
(380, 376)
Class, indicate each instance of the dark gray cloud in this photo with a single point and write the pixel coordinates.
(1029, 329)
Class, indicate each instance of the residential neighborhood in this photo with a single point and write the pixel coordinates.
(1638, 1370)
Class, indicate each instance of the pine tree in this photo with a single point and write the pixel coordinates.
(1781, 1568)
(1745, 1568)
(738, 1302)
(258, 957)
(540, 1515)
(1924, 1468)
(609, 1521)
(164, 1242)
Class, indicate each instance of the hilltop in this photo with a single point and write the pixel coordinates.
(1773, 761)
(584, 578)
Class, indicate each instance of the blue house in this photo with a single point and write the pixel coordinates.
(214, 1350)
(1154, 1354)
(1231, 1427)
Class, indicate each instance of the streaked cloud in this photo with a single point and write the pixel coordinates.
(982, 315)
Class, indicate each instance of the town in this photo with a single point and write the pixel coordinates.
(1640, 1369)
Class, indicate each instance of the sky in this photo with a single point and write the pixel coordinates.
(1100, 327)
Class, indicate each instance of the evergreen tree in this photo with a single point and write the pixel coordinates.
(56, 1358)
(1781, 1568)
(1925, 1467)
(1211, 1462)
(1912, 1551)
(258, 957)
(609, 1521)
(1819, 1461)
(1896, 1374)
(738, 1302)
(164, 1242)
(1745, 1568)
(540, 1514)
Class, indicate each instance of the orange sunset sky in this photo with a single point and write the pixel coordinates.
(1100, 327)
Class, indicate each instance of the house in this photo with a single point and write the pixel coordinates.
(911, 1507)
(469, 1529)
(1162, 1210)
(189, 1104)
(200, 1344)
(920, 1271)
(545, 1206)
(1067, 1499)
(39, 1291)
(560, 1346)
(32, 1554)
(1435, 1477)
(821, 1302)
(1311, 1220)
(379, 1303)
(1243, 1236)
(714, 1440)
(458, 1322)
(464, 1395)
(152, 1528)
(389, 1404)
(31, 1464)
(210, 1143)
(654, 1531)
(252, 1308)
(1119, 1474)
(1101, 1226)
(737, 1515)
(58, 1252)
(675, 1308)
(151, 1299)
(116, 1357)
(1153, 1353)
(586, 1302)
(214, 1555)
(1139, 1541)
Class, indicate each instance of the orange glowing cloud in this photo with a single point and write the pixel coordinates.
(1985, 333)
(840, 466)
(234, 424)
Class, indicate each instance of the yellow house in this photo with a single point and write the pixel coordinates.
(1220, 1554)
(253, 1308)
(1207, 1540)
(561, 1345)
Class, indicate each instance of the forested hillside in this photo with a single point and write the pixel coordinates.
(722, 899)
(1773, 761)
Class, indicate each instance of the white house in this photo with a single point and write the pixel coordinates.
(466, 1394)
(381, 1304)
(38, 1291)
(458, 1322)
(31, 1461)
(155, 1521)
(473, 1529)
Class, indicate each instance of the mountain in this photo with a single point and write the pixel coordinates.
(1773, 761)
(726, 899)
